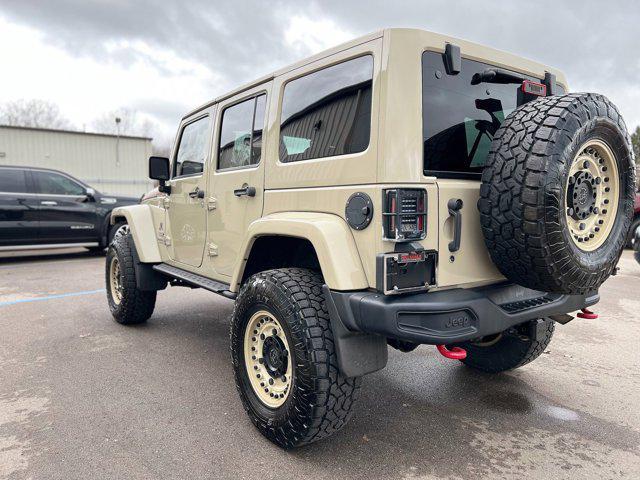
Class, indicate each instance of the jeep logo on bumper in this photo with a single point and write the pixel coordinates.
(459, 320)
(438, 325)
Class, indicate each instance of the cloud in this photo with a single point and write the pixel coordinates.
(184, 53)
(305, 35)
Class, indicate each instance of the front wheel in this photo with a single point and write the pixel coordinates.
(284, 358)
(127, 303)
(510, 349)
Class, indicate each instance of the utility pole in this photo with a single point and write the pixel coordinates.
(118, 120)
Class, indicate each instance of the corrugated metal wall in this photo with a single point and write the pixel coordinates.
(89, 157)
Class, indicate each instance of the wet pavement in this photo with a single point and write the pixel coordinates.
(83, 397)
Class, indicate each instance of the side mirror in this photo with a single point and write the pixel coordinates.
(90, 193)
(159, 170)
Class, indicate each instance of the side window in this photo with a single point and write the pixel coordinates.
(192, 150)
(241, 133)
(49, 183)
(12, 181)
(328, 112)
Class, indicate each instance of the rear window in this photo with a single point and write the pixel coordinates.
(459, 120)
(328, 112)
(52, 183)
(12, 181)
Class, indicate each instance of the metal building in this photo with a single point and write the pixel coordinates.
(115, 164)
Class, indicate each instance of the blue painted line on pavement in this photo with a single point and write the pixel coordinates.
(51, 297)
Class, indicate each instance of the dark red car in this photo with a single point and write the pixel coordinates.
(636, 219)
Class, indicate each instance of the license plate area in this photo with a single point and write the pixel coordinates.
(406, 272)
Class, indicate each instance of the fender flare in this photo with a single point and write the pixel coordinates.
(330, 236)
(140, 221)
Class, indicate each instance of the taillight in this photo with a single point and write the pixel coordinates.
(404, 214)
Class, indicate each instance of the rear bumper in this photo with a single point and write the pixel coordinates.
(449, 316)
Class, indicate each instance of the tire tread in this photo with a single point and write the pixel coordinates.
(520, 201)
(136, 305)
(333, 395)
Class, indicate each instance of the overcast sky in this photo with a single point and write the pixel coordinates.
(164, 58)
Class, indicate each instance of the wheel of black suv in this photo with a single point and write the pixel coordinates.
(120, 227)
(557, 193)
(510, 349)
(128, 305)
(284, 358)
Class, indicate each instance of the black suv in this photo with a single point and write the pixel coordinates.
(42, 208)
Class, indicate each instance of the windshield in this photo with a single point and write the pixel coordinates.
(459, 119)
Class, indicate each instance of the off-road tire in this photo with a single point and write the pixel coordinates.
(321, 399)
(512, 349)
(135, 306)
(523, 193)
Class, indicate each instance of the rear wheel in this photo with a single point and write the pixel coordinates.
(120, 227)
(510, 349)
(284, 358)
(127, 303)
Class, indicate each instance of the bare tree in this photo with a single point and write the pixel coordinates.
(635, 141)
(33, 113)
(123, 121)
(130, 122)
(162, 146)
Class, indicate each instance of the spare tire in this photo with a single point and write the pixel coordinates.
(556, 199)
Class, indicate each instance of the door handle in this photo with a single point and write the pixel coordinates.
(49, 203)
(245, 190)
(197, 193)
(455, 205)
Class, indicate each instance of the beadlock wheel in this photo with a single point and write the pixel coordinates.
(267, 359)
(284, 359)
(557, 193)
(592, 195)
(115, 280)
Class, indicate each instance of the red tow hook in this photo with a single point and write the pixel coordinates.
(588, 314)
(456, 353)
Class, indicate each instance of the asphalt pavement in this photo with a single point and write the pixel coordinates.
(83, 397)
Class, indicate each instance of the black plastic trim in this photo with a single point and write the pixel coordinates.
(358, 353)
(449, 316)
(194, 279)
(550, 82)
(452, 59)
(147, 279)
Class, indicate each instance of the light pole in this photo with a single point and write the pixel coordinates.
(118, 120)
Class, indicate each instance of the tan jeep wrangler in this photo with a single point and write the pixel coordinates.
(404, 188)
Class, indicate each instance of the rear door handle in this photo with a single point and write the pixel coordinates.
(245, 190)
(455, 205)
(49, 203)
(197, 193)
